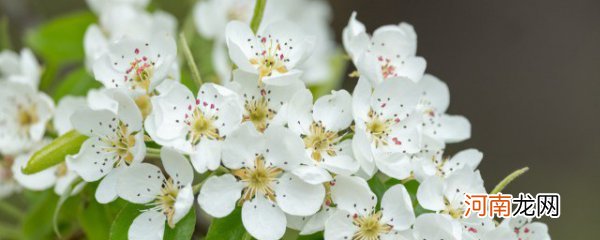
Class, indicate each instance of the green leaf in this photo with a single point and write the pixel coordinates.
(120, 226)
(77, 83)
(94, 219)
(37, 222)
(61, 39)
(184, 229)
(228, 228)
(55, 152)
(378, 187)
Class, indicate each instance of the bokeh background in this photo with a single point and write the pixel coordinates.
(526, 74)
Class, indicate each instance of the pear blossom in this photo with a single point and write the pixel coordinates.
(65, 108)
(116, 141)
(322, 128)
(436, 226)
(525, 229)
(272, 54)
(436, 123)
(390, 52)
(447, 196)
(136, 65)
(263, 104)
(387, 126)
(357, 218)
(196, 126)
(24, 113)
(261, 181)
(21, 68)
(168, 197)
(124, 20)
(437, 165)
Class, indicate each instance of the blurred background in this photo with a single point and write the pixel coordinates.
(526, 74)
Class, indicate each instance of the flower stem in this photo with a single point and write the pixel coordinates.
(189, 58)
(259, 9)
(152, 152)
(509, 179)
(11, 210)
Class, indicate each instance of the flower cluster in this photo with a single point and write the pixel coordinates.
(260, 141)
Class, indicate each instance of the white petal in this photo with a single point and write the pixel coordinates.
(91, 163)
(340, 226)
(352, 194)
(334, 111)
(168, 112)
(66, 107)
(397, 208)
(343, 162)
(150, 225)
(454, 128)
(241, 146)
(469, 158)
(461, 182)
(436, 226)
(263, 219)
(317, 222)
(207, 155)
(128, 112)
(285, 148)
(312, 174)
(177, 166)
(38, 181)
(430, 193)
(361, 101)
(435, 93)
(237, 34)
(299, 116)
(215, 100)
(140, 183)
(361, 147)
(219, 195)
(396, 165)
(297, 197)
(299, 45)
(475, 227)
(395, 98)
(107, 189)
(93, 123)
(183, 202)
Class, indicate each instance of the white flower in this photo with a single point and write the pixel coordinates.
(525, 229)
(436, 226)
(22, 69)
(436, 165)
(357, 218)
(58, 176)
(447, 196)
(272, 54)
(169, 198)
(212, 16)
(387, 127)
(24, 113)
(322, 128)
(98, 6)
(196, 126)
(138, 65)
(120, 21)
(264, 105)
(433, 104)
(116, 141)
(261, 181)
(390, 52)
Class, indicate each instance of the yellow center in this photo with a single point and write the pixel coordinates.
(370, 227)
(269, 61)
(320, 141)
(258, 112)
(378, 128)
(166, 200)
(202, 126)
(141, 72)
(61, 170)
(122, 144)
(144, 104)
(259, 179)
(27, 117)
(453, 212)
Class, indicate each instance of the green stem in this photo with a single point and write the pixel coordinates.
(152, 152)
(509, 179)
(189, 58)
(11, 210)
(259, 10)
